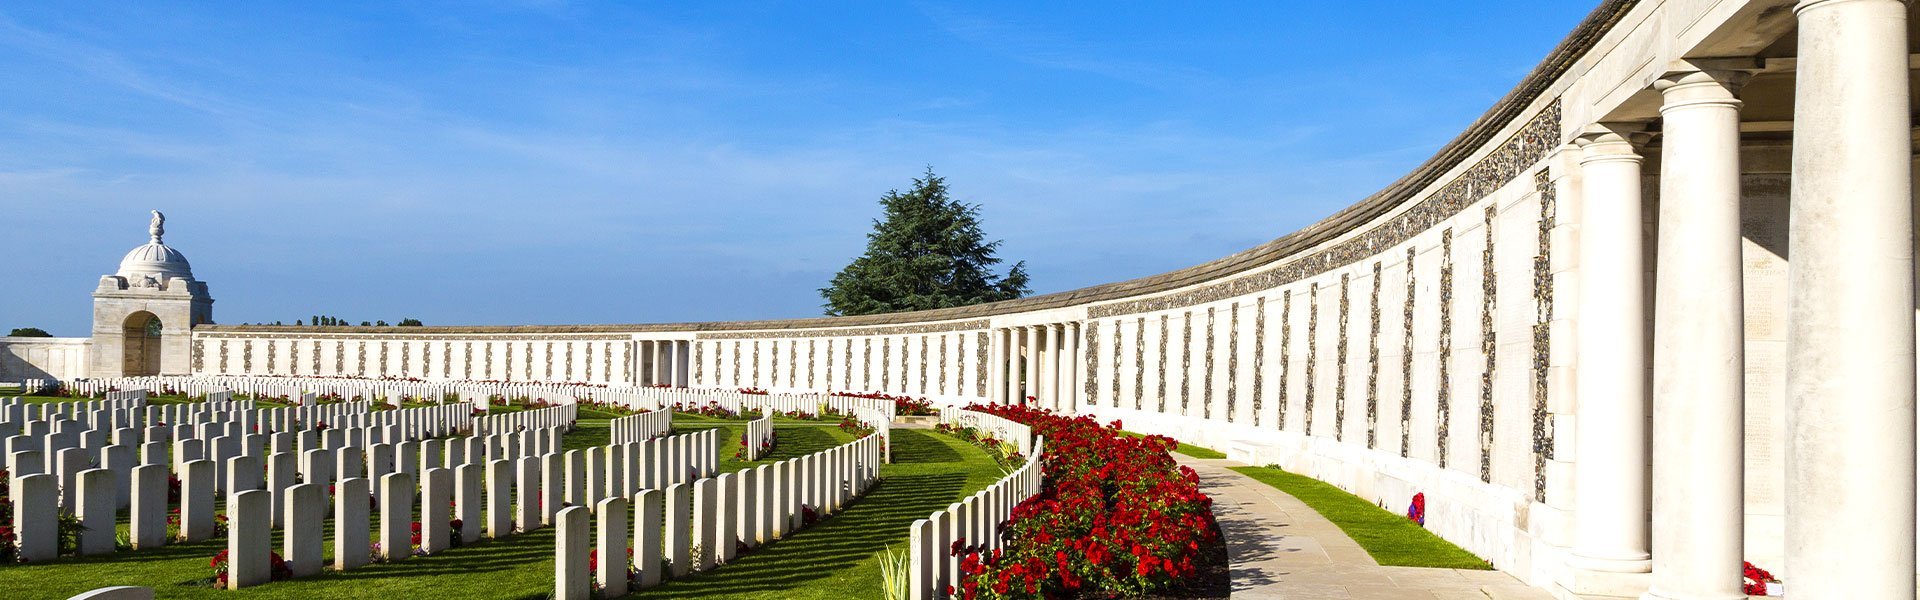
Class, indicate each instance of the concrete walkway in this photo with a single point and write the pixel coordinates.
(1277, 547)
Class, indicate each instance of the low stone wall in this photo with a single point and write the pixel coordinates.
(24, 358)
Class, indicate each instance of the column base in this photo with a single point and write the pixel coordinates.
(1662, 595)
(1588, 584)
(1638, 563)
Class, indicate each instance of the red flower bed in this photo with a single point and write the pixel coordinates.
(1117, 517)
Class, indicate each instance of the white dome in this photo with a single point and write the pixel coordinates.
(155, 258)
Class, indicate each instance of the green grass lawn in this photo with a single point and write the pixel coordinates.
(833, 559)
(1187, 449)
(1390, 538)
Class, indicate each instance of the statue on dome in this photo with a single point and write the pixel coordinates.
(158, 227)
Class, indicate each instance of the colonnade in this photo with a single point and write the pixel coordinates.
(663, 362)
(1850, 463)
(1036, 361)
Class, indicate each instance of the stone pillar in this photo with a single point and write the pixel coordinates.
(646, 535)
(677, 528)
(610, 541)
(147, 520)
(1030, 375)
(303, 508)
(1070, 369)
(1011, 362)
(659, 362)
(436, 492)
(98, 492)
(396, 516)
(1049, 396)
(350, 524)
(1611, 345)
(1699, 357)
(249, 539)
(1850, 343)
(996, 367)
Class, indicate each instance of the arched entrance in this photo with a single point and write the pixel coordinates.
(140, 337)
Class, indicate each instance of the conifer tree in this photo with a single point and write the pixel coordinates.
(926, 251)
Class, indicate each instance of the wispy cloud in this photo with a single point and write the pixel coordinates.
(1054, 50)
(110, 67)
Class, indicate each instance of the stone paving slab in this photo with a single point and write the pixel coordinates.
(1279, 548)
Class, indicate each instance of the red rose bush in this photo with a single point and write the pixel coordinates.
(1116, 517)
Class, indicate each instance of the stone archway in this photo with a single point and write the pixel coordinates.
(140, 344)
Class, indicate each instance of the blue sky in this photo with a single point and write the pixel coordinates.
(557, 162)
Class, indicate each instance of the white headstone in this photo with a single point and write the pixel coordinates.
(303, 509)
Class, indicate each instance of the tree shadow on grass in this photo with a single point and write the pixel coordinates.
(795, 442)
(911, 446)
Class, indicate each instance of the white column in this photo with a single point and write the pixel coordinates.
(1850, 343)
(1071, 371)
(659, 362)
(1610, 342)
(1699, 361)
(1030, 377)
(1049, 366)
(1010, 364)
(671, 354)
(996, 367)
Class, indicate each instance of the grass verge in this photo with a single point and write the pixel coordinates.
(1390, 538)
(1187, 449)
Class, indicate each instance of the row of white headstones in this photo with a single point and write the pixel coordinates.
(93, 494)
(977, 522)
(704, 524)
(521, 465)
(759, 431)
(90, 459)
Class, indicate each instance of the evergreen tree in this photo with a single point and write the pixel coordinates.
(410, 322)
(926, 251)
(29, 332)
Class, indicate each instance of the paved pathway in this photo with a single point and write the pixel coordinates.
(1279, 548)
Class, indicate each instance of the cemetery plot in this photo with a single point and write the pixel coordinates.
(426, 495)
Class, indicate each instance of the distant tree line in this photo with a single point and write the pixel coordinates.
(29, 332)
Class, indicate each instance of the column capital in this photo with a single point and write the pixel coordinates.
(1612, 141)
(1705, 82)
(1806, 5)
